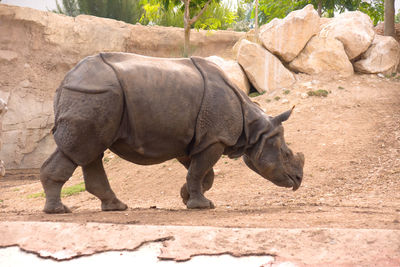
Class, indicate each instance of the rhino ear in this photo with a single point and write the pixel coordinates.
(256, 124)
(282, 117)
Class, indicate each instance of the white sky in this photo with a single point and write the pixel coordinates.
(38, 4)
(51, 4)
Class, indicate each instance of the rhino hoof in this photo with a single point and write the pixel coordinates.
(114, 204)
(61, 208)
(200, 203)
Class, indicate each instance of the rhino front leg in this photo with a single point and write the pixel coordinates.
(200, 165)
(96, 183)
(56, 170)
(208, 180)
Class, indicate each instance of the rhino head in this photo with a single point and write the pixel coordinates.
(271, 158)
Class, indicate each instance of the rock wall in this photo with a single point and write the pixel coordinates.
(3, 110)
(38, 48)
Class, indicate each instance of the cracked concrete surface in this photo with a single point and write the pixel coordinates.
(311, 246)
(144, 256)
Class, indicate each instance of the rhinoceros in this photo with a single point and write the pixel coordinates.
(148, 110)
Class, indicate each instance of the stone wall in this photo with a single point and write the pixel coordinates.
(3, 111)
(38, 48)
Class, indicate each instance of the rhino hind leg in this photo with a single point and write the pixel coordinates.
(56, 170)
(200, 177)
(96, 183)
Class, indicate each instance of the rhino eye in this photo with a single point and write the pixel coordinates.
(286, 151)
(274, 140)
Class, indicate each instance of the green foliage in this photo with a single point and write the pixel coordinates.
(68, 7)
(65, 192)
(156, 13)
(126, 10)
(216, 16)
(242, 21)
(397, 17)
(163, 13)
(270, 9)
(374, 9)
(286, 92)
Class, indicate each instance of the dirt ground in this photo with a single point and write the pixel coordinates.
(351, 141)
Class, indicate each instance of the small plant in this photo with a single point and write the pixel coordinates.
(72, 190)
(16, 189)
(391, 75)
(320, 93)
(286, 92)
(254, 94)
(1, 201)
(65, 192)
(267, 100)
(277, 98)
(106, 159)
(340, 87)
(36, 195)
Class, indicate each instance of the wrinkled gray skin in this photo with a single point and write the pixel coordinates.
(149, 110)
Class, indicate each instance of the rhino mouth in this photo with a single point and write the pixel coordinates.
(296, 181)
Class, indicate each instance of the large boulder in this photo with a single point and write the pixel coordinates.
(3, 110)
(233, 71)
(383, 56)
(249, 36)
(264, 70)
(323, 55)
(287, 37)
(354, 29)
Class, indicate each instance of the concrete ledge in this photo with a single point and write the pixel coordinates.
(311, 246)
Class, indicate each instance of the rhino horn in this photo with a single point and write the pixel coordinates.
(283, 116)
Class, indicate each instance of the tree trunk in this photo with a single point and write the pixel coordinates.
(186, 20)
(188, 23)
(389, 18)
(320, 8)
(256, 21)
(186, 47)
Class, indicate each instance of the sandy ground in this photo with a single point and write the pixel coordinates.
(351, 141)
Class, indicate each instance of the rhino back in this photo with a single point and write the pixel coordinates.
(88, 110)
(162, 99)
